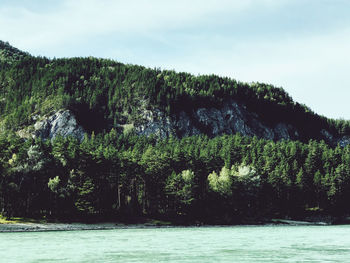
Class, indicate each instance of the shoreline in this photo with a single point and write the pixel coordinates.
(43, 227)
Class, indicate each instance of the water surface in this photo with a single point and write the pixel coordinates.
(176, 244)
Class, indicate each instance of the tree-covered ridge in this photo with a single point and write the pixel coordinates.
(112, 93)
(9, 53)
(227, 179)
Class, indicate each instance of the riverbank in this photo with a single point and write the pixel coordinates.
(39, 227)
(32, 225)
(36, 225)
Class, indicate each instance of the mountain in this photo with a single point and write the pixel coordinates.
(100, 94)
(95, 139)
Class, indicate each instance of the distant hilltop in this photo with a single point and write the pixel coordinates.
(73, 96)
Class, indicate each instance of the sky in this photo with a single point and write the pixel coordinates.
(302, 46)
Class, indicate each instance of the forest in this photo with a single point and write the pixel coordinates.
(118, 175)
(110, 93)
(228, 179)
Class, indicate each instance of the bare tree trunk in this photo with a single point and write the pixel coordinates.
(119, 189)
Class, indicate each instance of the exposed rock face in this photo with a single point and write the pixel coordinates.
(332, 140)
(154, 122)
(61, 123)
(344, 141)
(228, 119)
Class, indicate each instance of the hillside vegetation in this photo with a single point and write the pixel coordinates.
(111, 93)
(115, 174)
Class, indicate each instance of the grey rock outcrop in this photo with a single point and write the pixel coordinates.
(230, 118)
(61, 123)
(334, 141)
(154, 122)
(344, 141)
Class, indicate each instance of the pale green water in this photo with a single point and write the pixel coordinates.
(203, 244)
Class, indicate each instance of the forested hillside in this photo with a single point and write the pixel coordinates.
(111, 94)
(115, 172)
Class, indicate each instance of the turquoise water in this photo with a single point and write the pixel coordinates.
(192, 244)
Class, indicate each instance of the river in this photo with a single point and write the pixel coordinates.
(181, 244)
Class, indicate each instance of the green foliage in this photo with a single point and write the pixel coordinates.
(53, 184)
(114, 174)
(222, 183)
(180, 189)
(104, 94)
(9, 53)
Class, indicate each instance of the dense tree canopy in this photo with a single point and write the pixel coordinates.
(222, 180)
(111, 93)
(226, 179)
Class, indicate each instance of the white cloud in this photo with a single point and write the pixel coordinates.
(80, 18)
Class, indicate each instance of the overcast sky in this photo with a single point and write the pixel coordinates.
(300, 45)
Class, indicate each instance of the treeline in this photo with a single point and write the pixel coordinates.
(112, 93)
(226, 179)
(9, 53)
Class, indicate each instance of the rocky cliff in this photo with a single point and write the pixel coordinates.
(61, 123)
(231, 117)
(102, 94)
